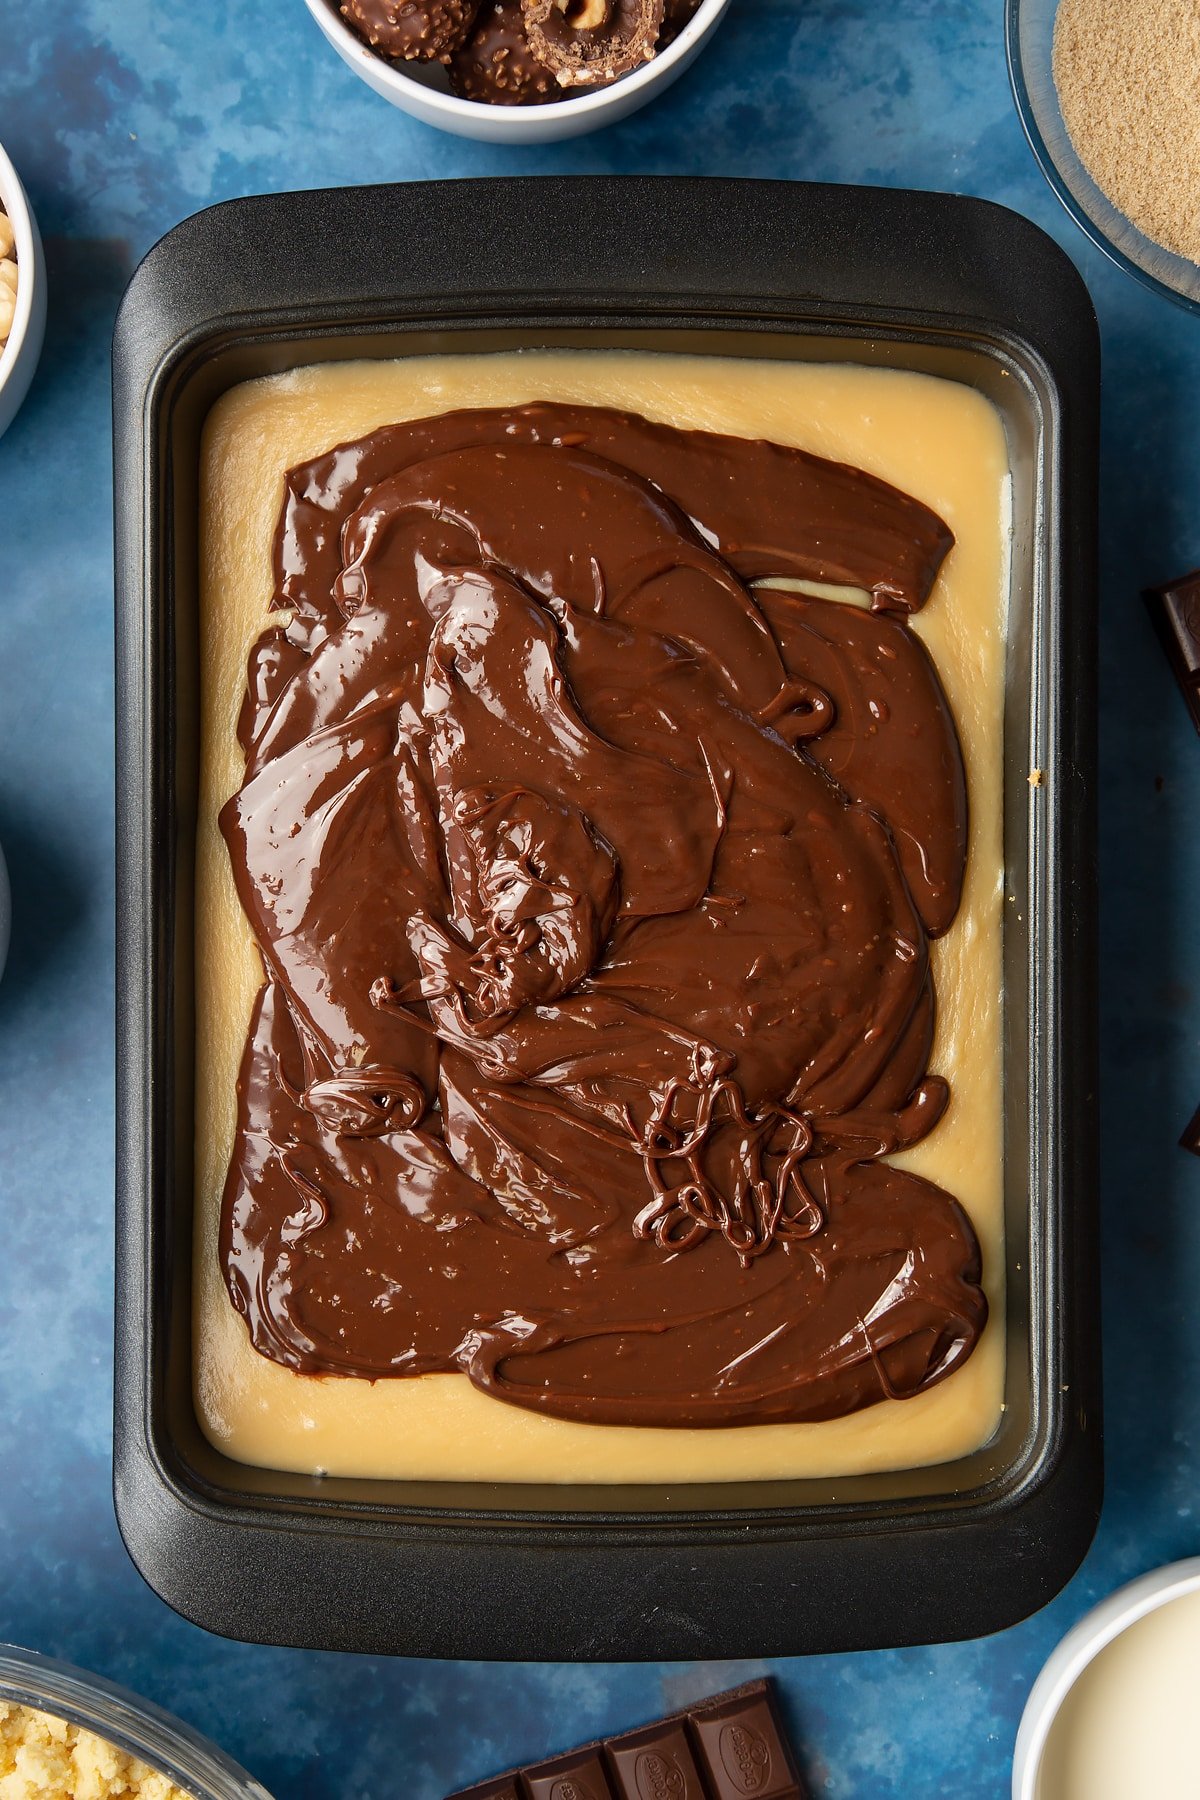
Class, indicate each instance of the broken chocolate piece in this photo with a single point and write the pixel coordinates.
(497, 66)
(727, 1748)
(1175, 609)
(412, 30)
(589, 43)
(1191, 1137)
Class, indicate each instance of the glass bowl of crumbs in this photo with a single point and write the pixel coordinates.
(1107, 94)
(68, 1735)
(22, 293)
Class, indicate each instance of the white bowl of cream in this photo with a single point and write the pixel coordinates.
(1115, 1713)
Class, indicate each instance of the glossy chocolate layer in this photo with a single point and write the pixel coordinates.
(594, 889)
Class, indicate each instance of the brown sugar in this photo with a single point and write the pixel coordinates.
(1128, 80)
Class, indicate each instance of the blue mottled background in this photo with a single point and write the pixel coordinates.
(124, 115)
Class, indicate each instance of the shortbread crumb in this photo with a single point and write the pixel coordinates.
(46, 1758)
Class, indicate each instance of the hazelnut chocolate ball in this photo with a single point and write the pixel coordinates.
(589, 43)
(411, 30)
(496, 64)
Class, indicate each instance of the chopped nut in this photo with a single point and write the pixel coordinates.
(585, 15)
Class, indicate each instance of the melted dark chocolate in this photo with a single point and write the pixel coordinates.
(594, 891)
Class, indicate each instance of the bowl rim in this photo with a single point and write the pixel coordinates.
(1091, 228)
(16, 204)
(133, 1724)
(1098, 1628)
(400, 84)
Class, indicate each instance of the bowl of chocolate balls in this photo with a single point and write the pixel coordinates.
(518, 71)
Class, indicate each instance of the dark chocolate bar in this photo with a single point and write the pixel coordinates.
(1175, 610)
(731, 1747)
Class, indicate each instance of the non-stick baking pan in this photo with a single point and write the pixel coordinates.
(951, 286)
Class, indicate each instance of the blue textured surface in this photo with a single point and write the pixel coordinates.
(124, 115)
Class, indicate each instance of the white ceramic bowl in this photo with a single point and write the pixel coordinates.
(18, 359)
(134, 1725)
(422, 89)
(1078, 1649)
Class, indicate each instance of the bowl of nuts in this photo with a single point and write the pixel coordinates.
(518, 71)
(22, 293)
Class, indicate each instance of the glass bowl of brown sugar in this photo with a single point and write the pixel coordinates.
(1107, 94)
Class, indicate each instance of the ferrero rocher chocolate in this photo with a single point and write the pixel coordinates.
(589, 43)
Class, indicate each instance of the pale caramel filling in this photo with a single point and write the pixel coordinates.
(937, 440)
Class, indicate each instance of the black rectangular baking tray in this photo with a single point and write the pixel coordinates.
(955, 287)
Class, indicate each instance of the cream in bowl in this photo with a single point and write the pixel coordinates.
(1113, 1712)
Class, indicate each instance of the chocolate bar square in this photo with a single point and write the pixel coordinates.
(655, 1764)
(742, 1751)
(1175, 610)
(579, 1775)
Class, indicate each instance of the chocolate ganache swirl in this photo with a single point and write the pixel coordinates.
(594, 882)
